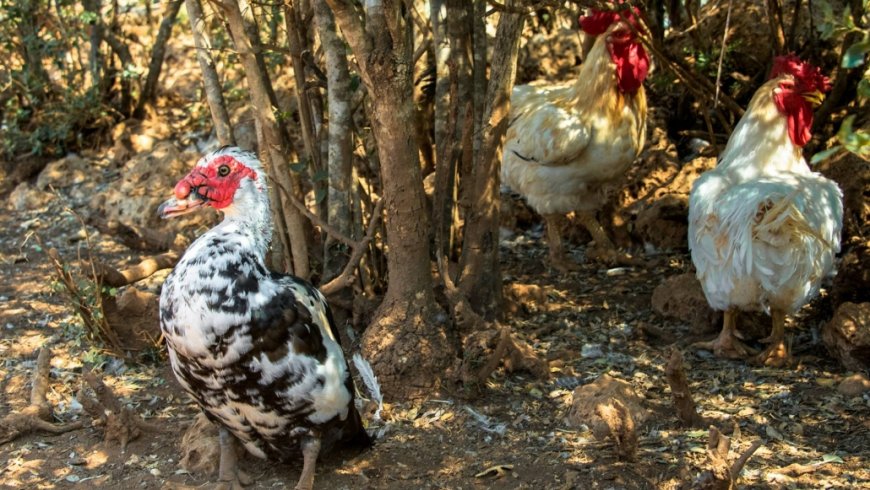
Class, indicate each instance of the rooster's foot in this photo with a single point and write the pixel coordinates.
(776, 355)
(726, 346)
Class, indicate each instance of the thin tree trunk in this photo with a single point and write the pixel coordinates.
(149, 91)
(275, 147)
(774, 21)
(481, 276)
(407, 342)
(95, 37)
(340, 134)
(123, 53)
(213, 91)
(296, 42)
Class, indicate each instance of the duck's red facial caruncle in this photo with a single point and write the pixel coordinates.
(214, 184)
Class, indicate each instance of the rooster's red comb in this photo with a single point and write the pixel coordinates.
(599, 20)
(808, 76)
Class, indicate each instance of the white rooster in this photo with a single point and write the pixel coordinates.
(764, 228)
(567, 143)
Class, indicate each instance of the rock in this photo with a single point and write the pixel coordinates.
(142, 143)
(200, 447)
(146, 181)
(847, 335)
(662, 221)
(610, 408)
(854, 385)
(852, 282)
(25, 197)
(134, 316)
(523, 298)
(70, 170)
(602, 390)
(853, 176)
(682, 298)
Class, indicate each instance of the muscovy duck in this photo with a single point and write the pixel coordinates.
(259, 351)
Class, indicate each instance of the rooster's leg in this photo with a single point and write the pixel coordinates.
(310, 450)
(776, 354)
(558, 259)
(604, 250)
(229, 474)
(727, 344)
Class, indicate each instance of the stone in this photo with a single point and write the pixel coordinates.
(847, 335)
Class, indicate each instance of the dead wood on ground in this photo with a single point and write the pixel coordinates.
(687, 412)
(721, 475)
(35, 416)
(121, 423)
(115, 278)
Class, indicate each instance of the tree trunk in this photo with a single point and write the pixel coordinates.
(95, 37)
(213, 92)
(275, 147)
(149, 91)
(480, 281)
(339, 216)
(407, 342)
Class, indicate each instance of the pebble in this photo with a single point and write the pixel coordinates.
(854, 385)
(591, 351)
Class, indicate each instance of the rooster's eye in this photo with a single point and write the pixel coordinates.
(223, 170)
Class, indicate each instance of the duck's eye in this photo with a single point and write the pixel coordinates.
(223, 170)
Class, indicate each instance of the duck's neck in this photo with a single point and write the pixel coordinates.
(250, 214)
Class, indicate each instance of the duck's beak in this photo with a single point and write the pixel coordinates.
(176, 207)
(815, 97)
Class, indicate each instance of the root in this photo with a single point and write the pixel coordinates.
(518, 356)
(115, 278)
(721, 475)
(35, 416)
(687, 412)
(121, 423)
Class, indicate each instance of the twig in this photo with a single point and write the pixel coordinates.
(359, 248)
(88, 305)
(721, 58)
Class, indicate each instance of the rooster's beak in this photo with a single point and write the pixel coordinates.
(176, 207)
(815, 97)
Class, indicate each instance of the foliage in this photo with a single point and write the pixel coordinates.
(852, 138)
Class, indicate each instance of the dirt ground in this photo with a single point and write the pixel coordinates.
(516, 434)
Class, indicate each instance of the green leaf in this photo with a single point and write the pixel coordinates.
(320, 195)
(864, 88)
(354, 82)
(321, 175)
(298, 166)
(846, 129)
(832, 458)
(854, 55)
(825, 154)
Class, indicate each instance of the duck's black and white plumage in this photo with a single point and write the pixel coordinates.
(258, 350)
